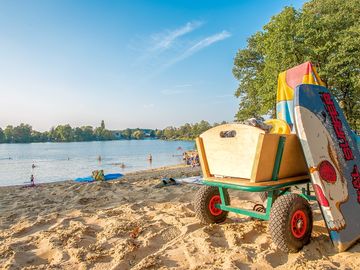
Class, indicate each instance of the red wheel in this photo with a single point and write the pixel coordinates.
(212, 205)
(206, 200)
(299, 224)
(290, 222)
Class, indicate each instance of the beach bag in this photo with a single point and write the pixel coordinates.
(98, 175)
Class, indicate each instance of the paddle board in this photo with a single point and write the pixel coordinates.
(333, 159)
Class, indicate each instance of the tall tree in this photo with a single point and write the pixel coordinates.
(22, 133)
(64, 133)
(87, 133)
(8, 132)
(326, 32)
(2, 136)
(126, 134)
(138, 134)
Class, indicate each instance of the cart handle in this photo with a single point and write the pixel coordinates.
(228, 134)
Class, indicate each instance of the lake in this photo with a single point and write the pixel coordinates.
(64, 161)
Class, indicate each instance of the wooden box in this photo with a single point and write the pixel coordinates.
(246, 152)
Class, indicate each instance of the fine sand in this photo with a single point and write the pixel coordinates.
(129, 224)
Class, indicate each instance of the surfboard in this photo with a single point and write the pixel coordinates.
(333, 158)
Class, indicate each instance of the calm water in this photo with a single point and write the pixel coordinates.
(63, 161)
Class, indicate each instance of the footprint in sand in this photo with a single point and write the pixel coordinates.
(277, 258)
(84, 201)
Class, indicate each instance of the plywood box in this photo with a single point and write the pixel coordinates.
(242, 151)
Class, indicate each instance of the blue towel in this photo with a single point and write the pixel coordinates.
(110, 176)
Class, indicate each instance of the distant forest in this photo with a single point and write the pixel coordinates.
(24, 133)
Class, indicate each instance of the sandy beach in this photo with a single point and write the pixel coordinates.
(129, 224)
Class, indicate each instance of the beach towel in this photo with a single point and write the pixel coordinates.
(287, 82)
(191, 180)
(107, 177)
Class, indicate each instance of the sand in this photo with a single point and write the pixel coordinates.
(129, 224)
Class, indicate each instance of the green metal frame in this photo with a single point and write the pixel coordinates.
(276, 189)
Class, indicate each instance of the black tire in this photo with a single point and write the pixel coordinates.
(204, 197)
(291, 222)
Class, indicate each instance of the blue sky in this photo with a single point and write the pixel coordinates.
(148, 64)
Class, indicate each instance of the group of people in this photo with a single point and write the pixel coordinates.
(191, 158)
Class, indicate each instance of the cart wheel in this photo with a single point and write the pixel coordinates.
(206, 199)
(291, 222)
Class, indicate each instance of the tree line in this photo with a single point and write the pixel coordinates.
(24, 133)
(185, 132)
(325, 32)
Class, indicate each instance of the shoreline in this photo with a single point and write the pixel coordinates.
(144, 139)
(176, 170)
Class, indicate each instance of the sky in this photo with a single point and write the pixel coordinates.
(131, 63)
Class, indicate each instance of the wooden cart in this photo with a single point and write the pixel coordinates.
(242, 157)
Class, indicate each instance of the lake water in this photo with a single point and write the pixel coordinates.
(64, 161)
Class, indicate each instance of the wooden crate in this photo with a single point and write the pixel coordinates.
(246, 152)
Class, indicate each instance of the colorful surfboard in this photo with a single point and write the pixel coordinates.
(333, 159)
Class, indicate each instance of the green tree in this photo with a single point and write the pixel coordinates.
(169, 133)
(52, 135)
(97, 133)
(326, 32)
(78, 134)
(102, 125)
(64, 133)
(202, 127)
(107, 135)
(8, 132)
(138, 134)
(2, 136)
(126, 134)
(37, 136)
(87, 133)
(22, 133)
(158, 133)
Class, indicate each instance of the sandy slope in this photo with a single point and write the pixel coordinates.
(128, 224)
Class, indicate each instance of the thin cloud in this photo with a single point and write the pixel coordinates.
(165, 41)
(149, 106)
(202, 44)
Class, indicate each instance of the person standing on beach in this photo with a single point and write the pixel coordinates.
(32, 180)
(150, 158)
